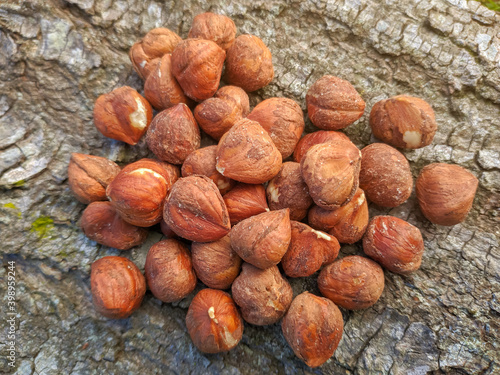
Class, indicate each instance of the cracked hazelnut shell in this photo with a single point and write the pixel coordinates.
(244, 201)
(311, 139)
(215, 27)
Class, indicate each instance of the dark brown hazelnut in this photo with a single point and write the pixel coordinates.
(262, 295)
(352, 282)
(244, 201)
(315, 138)
(215, 27)
(166, 230)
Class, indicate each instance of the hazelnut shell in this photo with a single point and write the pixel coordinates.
(244, 201)
(215, 27)
(311, 139)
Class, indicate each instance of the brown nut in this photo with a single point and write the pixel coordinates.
(262, 295)
(394, 243)
(263, 239)
(283, 119)
(169, 271)
(161, 88)
(213, 321)
(117, 285)
(308, 251)
(166, 230)
(385, 175)
(244, 201)
(88, 176)
(173, 134)
(216, 116)
(195, 210)
(445, 193)
(311, 139)
(155, 44)
(352, 282)
(403, 121)
(249, 63)
(347, 223)
(215, 27)
(331, 172)
(139, 190)
(333, 103)
(247, 154)
(101, 223)
(122, 114)
(288, 190)
(197, 66)
(202, 161)
(215, 263)
(236, 94)
(313, 328)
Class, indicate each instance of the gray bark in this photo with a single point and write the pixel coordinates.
(58, 56)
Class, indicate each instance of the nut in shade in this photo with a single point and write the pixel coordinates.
(311, 139)
(214, 27)
(244, 201)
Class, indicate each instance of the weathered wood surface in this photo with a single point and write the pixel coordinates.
(57, 56)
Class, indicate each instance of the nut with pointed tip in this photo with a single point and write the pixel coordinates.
(197, 66)
(169, 271)
(246, 153)
(244, 201)
(262, 240)
(215, 263)
(445, 193)
(195, 210)
(173, 134)
(215, 27)
(101, 223)
(333, 103)
(88, 176)
(403, 121)
(237, 95)
(154, 45)
(313, 328)
(288, 190)
(311, 139)
(214, 322)
(249, 63)
(394, 243)
(262, 295)
(117, 285)
(308, 251)
(352, 282)
(283, 119)
(331, 172)
(123, 114)
(347, 223)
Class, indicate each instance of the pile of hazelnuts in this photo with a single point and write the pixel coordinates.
(240, 203)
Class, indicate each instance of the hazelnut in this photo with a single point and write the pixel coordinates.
(101, 223)
(352, 282)
(249, 63)
(403, 121)
(197, 66)
(155, 44)
(311, 139)
(237, 95)
(213, 321)
(347, 223)
(202, 161)
(195, 210)
(262, 295)
(283, 119)
(313, 328)
(123, 114)
(246, 153)
(333, 103)
(173, 134)
(215, 27)
(263, 239)
(88, 176)
(169, 271)
(215, 263)
(288, 190)
(166, 230)
(385, 175)
(394, 243)
(308, 251)
(117, 285)
(161, 88)
(244, 201)
(139, 190)
(331, 172)
(445, 193)
(216, 116)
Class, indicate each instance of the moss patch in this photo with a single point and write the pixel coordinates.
(12, 206)
(491, 4)
(42, 226)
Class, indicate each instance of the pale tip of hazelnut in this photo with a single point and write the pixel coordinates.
(220, 169)
(273, 192)
(211, 314)
(322, 235)
(138, 118)
(412, 138)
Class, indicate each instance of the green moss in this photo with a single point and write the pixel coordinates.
(42, 226)
(491, 4)
(12, 206)
(19, 183)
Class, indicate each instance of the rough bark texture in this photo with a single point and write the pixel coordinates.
(58, 56)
